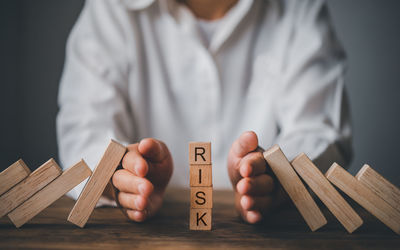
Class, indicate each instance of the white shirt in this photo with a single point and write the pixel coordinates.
(137, 69)
(207, 29)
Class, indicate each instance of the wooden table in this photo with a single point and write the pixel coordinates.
(109, 228)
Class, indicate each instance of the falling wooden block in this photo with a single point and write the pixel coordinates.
(200, 175)
(49, 194)
(13, 175)
(382, 187)
(96, 184)
(294, 187)
(327, 193)
(201, 197)
(364, 196)
(29, 186)
(199, 153)
(200, 219)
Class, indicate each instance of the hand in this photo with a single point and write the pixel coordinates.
(256, 191)
(146, 170)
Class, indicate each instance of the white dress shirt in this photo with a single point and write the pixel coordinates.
(142, 68)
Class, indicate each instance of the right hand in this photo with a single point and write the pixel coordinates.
(146, 170)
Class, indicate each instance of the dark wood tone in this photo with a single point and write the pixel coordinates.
(109, 228)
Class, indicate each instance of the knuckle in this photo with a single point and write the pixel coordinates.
(130, 214)
(126, 160)
(116, 178)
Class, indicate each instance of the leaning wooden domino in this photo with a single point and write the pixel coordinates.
(201, 201)
(327, 193)
(13, 175)
(37, 180)
(382, 187)
(49, 194)
(364, 196)
(294, 187)
(96, 184)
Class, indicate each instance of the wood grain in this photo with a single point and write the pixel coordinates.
(109, 228)
(12, 175)
(201, 175)
(294, 187)
(364, 196)
(382, 187)
(200, 219)
(29, 186)
(199, 153)
(201, 197)
(49, 194)
(327, 193)
(96, 184)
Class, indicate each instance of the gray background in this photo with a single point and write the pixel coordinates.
(32, 45)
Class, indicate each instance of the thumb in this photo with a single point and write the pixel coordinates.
(246, 143)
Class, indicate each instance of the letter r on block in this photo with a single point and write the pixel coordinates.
(199, 153)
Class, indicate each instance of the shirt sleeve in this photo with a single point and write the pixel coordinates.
(93, 90)
(311, 105)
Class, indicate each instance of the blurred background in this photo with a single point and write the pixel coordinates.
(32, 45)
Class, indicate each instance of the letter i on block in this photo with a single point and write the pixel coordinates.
(200, 185)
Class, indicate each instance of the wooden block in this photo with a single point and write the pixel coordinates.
(93, 189)
(29, 186)
(364, 196)
(200, 175)
(327, 193)
(201, 197)
(13, 175)
(49, 194)
(200, 219)
(294, 187)
(199, 153)
(382, 187)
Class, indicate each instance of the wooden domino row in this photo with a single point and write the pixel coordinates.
(24, 194)
(369, 189)
(201, 201)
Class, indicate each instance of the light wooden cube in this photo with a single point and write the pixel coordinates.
(201, 197)
(201, 175)
(199, 153)
(200, 219)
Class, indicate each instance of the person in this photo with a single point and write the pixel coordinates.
(243, 74)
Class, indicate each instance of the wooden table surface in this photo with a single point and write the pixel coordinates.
(109, 228)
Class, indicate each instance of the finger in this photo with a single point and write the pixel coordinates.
(127, 182)
(153, 150)
(252, 217)
(132, 201)
(255, 186)
(245, 144)
(153, 205)
(258, 203)
(252, 164)
(134, 161)
(138, 216)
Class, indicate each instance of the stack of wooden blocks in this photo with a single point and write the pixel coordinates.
(200, 186)
(24, 194)
(369, 189)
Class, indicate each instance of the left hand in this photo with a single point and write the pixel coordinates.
(256, 191)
